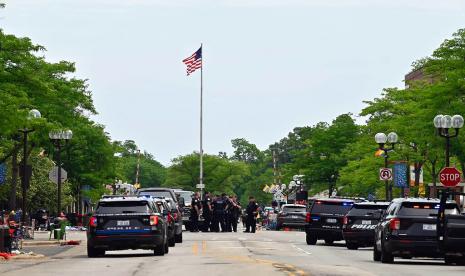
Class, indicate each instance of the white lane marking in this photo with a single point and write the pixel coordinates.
(302, 250)
(242, 239)
(267, 240)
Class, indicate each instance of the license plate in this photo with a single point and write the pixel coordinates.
(331, 220)
(122, 223)
(429, 227)
(366, 222)
(294, 217)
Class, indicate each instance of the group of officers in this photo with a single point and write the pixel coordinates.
(221, 213)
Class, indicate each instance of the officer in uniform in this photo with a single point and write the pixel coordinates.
(195, 212)
(207, 212)
(252, 211)
(219, 206)
(234, 210)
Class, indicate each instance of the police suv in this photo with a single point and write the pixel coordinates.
(408, 229)
(324, 220)
(127, 222)
(359, 224)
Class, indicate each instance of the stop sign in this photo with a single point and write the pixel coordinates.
(449, 177)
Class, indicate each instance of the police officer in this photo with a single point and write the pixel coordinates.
(207, 212)
(234, 211)
(195, 212)
(251, 211)
(219, 206)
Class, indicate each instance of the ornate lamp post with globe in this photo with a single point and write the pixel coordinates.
(443, 123)
(26, 171)
(57, 137)
(392, 138)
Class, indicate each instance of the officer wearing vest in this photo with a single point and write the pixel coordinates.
(196, 206)
(207, 212)
(233, 213)
(252, 212)
(219, 206)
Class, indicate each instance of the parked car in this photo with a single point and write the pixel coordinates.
(121, 223)
(360, 222)
(409, 229)
(167, 193)
(324, 220)
(186, 206)
(292, 216)
(166, 210)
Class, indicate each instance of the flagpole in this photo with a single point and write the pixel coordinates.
(201, 126)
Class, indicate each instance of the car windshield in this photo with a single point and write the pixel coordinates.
(326, 207)
(294, 209)
(122, 207)
(160, 194)
(187, 196)
(426, 209)
(364, 210)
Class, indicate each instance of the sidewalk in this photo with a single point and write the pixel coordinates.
(41, 238)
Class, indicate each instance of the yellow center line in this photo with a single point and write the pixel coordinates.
(195, 248)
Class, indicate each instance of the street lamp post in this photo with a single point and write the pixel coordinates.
(381, 139)
(26, 170)
(443, 123)
(57, 137)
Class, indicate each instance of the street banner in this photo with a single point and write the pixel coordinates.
(2, 173)
(400, 175)
(412, 176)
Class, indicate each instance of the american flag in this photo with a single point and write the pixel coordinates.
(194, 62)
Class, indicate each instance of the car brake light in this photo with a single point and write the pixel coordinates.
(93, 222)
(308, 217)
(153, 220)
(394, 224)
(345, 220)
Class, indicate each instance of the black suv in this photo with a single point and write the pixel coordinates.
(359, 224)
(175, 212)
(324, 220)
(409, 229)
(121, 223)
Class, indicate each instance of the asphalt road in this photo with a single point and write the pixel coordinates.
(264, 253)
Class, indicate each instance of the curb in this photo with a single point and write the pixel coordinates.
(27, 257)
(38, 243)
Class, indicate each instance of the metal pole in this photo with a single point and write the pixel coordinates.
(138, 166)
(201, 125)
(58, 146)
(24, 178)
(386, 182)
(447, 147)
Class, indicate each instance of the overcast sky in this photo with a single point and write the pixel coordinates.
(269, 65)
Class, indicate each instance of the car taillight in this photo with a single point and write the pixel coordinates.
(153, 220)
(394, 224)
(93, 222)
(345, 220)
(308, 217)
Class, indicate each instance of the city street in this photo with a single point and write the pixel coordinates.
(263, 253)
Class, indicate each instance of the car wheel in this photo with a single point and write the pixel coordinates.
(311, 240)
(159, 250)
(178, 238)
(167, 248)
(172, 241)
(351, 246)
(329, 241)
(386, 257)
(94, 252)
(376, 254)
